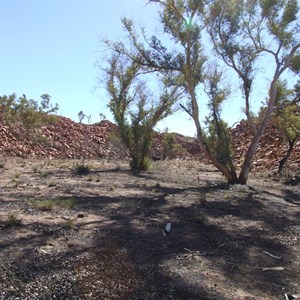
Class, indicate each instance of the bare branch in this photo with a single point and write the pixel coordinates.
(186, 110)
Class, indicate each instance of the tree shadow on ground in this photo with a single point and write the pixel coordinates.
(136, 225)
(291, 197)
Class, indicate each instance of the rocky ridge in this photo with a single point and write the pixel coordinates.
(68, 139)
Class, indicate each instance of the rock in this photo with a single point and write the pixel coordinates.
(68, 139)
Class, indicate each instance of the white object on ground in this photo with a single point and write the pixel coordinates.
(167, 229)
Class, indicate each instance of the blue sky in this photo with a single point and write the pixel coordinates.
(52, 47)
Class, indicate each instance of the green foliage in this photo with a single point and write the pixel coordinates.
(28, 113)
(171, 148)
(288, 112)
(68, 203)
(288, 121)
(218, 140)
(243, 33)
(218, 137)
(16, 175)
(69, 224)
(44, 205)
(280, 15)
(287, 117)
(295, 63)
(134, 111)
(50, 204)
(140, 165)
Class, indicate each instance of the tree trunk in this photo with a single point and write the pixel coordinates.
(246, 168)
(230, 175)
(286, 157)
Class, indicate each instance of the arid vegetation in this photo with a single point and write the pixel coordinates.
(120, 211)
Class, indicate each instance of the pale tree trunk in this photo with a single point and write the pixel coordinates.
(230, 175)
(246, 168)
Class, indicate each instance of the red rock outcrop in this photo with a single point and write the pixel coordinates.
(271, 149)
(68, 139)
(61, 139)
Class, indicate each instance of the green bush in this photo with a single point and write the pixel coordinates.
(171, 149)
(50, 204)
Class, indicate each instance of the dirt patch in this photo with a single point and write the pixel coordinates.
(100, 235)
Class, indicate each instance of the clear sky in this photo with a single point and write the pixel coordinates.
(51, 46)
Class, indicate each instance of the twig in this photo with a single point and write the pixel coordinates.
(197, 253)
(273, 269)
(279, 286)
(188, 250)
(272, 255)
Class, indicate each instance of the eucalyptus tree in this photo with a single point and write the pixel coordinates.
(182, 66)
(28, 113)
(241, 31)
(287, 117)
(135, 111)
(25, 116)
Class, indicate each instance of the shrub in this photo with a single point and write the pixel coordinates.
(43, 205)
(67, 203)
(82, 169)
(69, 224)
(135, 110)
(2, 162)
(139, 165)
(16, 175)
(171, 148)
(202, 199)
(46, 173)
(35, 169)
(50, 204)
(51, 184)
(12, 221)
(200, 217)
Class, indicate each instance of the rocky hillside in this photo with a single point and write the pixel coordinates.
(270, 151)
(68, 139)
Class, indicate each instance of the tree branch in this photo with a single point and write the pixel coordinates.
(186, 110)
